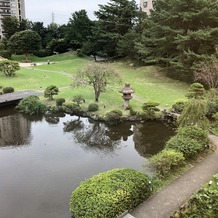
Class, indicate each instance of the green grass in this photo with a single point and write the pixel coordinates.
(148, 82)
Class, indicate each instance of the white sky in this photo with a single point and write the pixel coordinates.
(42, 10)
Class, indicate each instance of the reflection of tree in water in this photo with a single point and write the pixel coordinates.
(95, 135)
(150, 137)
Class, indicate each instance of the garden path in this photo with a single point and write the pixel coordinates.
(170, 198)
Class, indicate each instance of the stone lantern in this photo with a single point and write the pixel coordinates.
(127, 94)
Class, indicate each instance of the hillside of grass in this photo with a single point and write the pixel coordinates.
(148, 82)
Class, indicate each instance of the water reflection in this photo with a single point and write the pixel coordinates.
(150, 137)
(14, 129)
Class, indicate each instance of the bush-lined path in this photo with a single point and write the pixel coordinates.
(169, 199)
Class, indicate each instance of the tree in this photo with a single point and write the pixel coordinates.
(115, 20)
(10, 26)
(180, 34)
(195, 110)
(78, 29)
(207, 74)
(98, 76)
(9, 67)
(78, 99)
(25, 42)
(50, 91)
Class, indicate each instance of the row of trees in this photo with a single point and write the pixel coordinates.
(178, 35)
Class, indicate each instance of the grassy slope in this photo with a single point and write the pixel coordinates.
(148, 82)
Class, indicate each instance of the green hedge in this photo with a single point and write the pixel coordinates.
(166, 161)
(109, 194)
(113, 117)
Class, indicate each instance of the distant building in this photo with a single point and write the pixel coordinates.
(146, 5)
(11, 8)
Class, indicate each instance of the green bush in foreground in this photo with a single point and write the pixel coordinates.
(166, 161)
(189, 147)
(109, 194)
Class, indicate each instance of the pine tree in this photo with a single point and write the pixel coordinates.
(179, 34)
(114, 20)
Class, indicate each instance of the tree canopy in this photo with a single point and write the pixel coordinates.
(25, 42)
(180, 34)
(98, 76)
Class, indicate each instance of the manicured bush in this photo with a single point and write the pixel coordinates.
(50, 91)
(73, 109)
(166, 161)
(8, 90)
(196, 133)
(93, 107)
(109, 194)
(149, 110)
(60, 101)
(189, 147)
(31, 106)
(178, 107)
(113, 117)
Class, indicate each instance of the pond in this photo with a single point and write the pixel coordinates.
(43, 161)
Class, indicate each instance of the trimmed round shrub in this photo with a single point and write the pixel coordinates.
(32, 106)
(109, 194)
(196, 133)
(8, 90)
(72, 109)
(93, 107)
(166, 161)
(178, 107)
(189, 147)
(113, 117)
(60, 101)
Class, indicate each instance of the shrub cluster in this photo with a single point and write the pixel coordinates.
(73, 109)
(93, 107)
(8, 90)
(149, 110)
(178, 107)
(113, 117)
(59, 101)
(32, 106)
(189, 140)
(109, 194)
(166, 162)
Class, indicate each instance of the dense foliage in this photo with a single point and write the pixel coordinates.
(93, 107)
(113, 117)
(204, 203)
(188, 143)
(7, 90)
(25, 42)
(50, 91)
(31, 106)
(9, 67)
(109, 194)
(180, 35)
(166, 161)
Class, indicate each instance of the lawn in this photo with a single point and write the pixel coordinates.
(148, 82)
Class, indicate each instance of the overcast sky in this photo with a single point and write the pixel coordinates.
(60, 10)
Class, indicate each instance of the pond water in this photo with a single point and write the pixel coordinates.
(43, 161)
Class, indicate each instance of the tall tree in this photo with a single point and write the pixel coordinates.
(25, 42)
(10, 26)
(180, 34)
(114, 20)
(78, 29)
